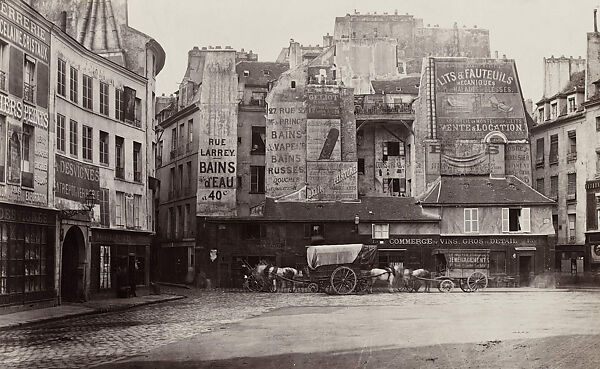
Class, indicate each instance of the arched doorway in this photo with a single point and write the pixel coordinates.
(73, 253)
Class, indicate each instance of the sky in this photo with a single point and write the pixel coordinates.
(524, 30)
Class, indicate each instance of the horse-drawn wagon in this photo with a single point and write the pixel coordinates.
(466, 267)
(340, 269)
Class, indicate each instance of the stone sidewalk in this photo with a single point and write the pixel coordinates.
(69, 310)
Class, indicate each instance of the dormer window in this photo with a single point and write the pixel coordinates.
(266, 72)
(246, 73)
(571, 106)
(553, 110)
(541, 117)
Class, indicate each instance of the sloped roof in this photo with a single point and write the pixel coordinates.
(576, 81)
(260, 73)
(367, 208)
(472, 190)
(406, 85)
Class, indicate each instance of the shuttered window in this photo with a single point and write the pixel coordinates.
(539, 153)
(554, 187)
(516, 220)
(572, 184)
(471, 220)
(553, 156)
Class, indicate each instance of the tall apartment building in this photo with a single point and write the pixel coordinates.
(102, 78)
(28, 229)
(196, 168)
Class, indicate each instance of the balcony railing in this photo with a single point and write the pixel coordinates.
(137, 176)
(377, 108)
(2, 81)
(28, 92)
(120, 172)
(257, 104)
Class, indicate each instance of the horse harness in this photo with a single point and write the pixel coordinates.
(390, 272)
(267, 271)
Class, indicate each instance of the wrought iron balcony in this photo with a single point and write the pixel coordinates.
(369, 108)
(28, 92)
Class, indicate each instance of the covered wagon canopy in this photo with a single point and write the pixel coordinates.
(357, 253)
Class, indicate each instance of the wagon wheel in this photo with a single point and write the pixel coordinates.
(254, 285)
(313, 287)
(477, 280)
(464, 286)
(343, 280)
(446, 285)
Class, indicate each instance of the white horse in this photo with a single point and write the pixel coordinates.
(426, 275)
(387, 274)
(268, 273)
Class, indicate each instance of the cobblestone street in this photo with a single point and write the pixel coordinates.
(96, 339)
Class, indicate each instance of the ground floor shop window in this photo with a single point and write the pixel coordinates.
(25, 259)
(105, 267)
(498, 262)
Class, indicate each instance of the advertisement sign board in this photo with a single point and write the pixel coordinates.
(477, 96)
(332, 180)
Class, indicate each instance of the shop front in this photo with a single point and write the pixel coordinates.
(117, 252)
(517, 256)
(27, 255)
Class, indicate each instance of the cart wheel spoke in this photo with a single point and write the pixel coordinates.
(477, 281)
(343, 280)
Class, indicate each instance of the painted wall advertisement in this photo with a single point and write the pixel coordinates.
(476, 97)
(24, 126)
(518, 161)
(322, 102)
(217, 151)
(332, 180)
(217, 164)
(286, 148)
(323, 139)
(74, 179)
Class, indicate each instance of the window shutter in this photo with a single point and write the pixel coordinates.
(592, 220)
(129, 211)
(505, 226)
(129, 102)
(373, 231)
(42, 85)
(475, 220)
(525, 220)
(15, 80)
(467, 219)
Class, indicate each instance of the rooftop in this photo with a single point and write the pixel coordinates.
(260, 73)
(406, 85)
(473, 190)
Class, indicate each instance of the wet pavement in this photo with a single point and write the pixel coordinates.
(145, 331)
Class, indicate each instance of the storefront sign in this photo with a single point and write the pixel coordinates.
(476, 97)
(120, 238)
(332, 181)
(74, 180)
(10, 213)
(286, 148)
(323, 139)
(463, 242)
(23, 31)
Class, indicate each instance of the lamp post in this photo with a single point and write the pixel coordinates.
(90, 201)
(356, 221)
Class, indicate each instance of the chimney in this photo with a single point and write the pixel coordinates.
(295, 55)
(595, 22)
(496, 54)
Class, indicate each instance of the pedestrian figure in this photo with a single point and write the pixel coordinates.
(132, 271)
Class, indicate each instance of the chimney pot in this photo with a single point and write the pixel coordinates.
(503, 56)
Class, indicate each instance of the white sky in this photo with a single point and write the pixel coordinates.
(524, 30)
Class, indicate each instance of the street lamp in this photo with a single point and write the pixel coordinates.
(356, 221)
(90, 201)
